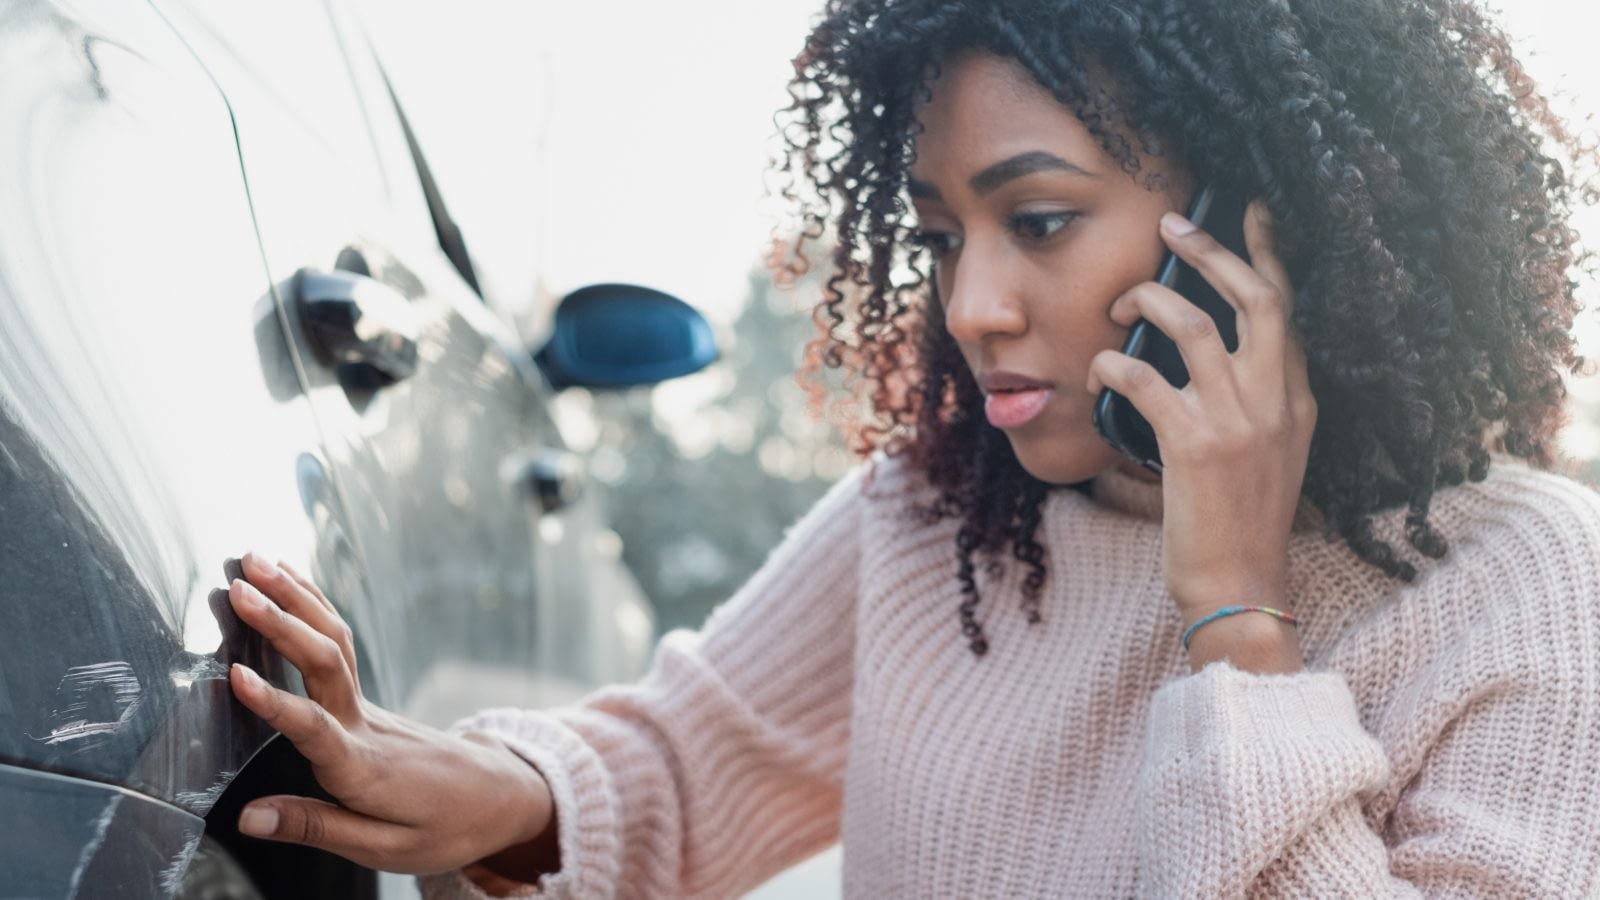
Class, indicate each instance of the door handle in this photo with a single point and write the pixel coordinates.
(550, 475)
(357, 320)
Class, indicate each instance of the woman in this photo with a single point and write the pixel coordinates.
(1406, 702)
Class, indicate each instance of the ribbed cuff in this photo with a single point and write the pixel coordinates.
(585, 805)
(1221, 707)
(1238, 766)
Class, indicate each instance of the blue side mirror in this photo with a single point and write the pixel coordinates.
(623, 335)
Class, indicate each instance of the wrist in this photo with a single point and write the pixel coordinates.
(1249, 641)
(522, 844)
(1196, 597)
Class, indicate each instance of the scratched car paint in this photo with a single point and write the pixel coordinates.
(191, 195)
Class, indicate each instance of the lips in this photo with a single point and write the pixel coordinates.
(1013, 400)
(1001, 380)
(1013, 409)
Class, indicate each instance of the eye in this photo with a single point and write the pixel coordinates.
(1037, 226)
(939, 243)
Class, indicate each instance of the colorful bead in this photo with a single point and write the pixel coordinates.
(1230, 610)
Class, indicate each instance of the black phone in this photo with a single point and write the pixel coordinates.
(1221, 214)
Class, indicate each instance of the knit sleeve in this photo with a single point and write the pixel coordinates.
(724, 764)
(1252, 785)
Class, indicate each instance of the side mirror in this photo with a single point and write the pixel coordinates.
(623, 335)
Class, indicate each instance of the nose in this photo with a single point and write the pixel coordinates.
(980, 302)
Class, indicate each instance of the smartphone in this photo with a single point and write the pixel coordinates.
(1221, 214)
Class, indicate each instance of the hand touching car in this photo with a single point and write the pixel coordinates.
(410, 798)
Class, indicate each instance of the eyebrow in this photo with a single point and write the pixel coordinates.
(991, 178)
(1023, 164)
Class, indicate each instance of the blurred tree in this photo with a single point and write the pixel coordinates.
(703, 475)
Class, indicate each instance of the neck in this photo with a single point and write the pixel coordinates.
(1129, 488)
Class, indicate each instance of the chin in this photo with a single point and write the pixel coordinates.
(1063, 459)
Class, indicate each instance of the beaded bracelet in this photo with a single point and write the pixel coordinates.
(1230, 610)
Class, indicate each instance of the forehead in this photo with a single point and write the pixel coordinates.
(983, 108)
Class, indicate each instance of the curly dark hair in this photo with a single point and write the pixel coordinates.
(1399, 147)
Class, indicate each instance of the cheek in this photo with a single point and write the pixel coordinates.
(1071, 307)
(1078, 285)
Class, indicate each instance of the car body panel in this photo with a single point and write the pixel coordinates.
(151, 420)
(66, 837)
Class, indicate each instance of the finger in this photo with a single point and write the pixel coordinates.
(302, 600)
(1262, 246)
(310, 586)
(1191, 328)
(361, 839)
(318, 658)
(1151, 394)
(312, 729)
(1257, 302)
(337, 628)
(1303, 401)
(1263, 250)
(287, 591)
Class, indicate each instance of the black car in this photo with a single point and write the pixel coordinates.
(235, 314)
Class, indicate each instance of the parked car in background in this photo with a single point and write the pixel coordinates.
(235, 313)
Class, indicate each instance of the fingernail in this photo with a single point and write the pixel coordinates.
(258, 821)
(252, 682)
(1264, 216)
(261, 562)
(1176, 224)
(248, 594)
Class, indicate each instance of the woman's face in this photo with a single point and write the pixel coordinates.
(1035, 231)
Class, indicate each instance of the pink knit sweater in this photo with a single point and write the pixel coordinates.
(1444, 739)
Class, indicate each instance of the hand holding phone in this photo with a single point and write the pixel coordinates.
(1236, 438)
(1221, 214)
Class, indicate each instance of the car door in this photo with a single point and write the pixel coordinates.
(432, 423)
(152, 424)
